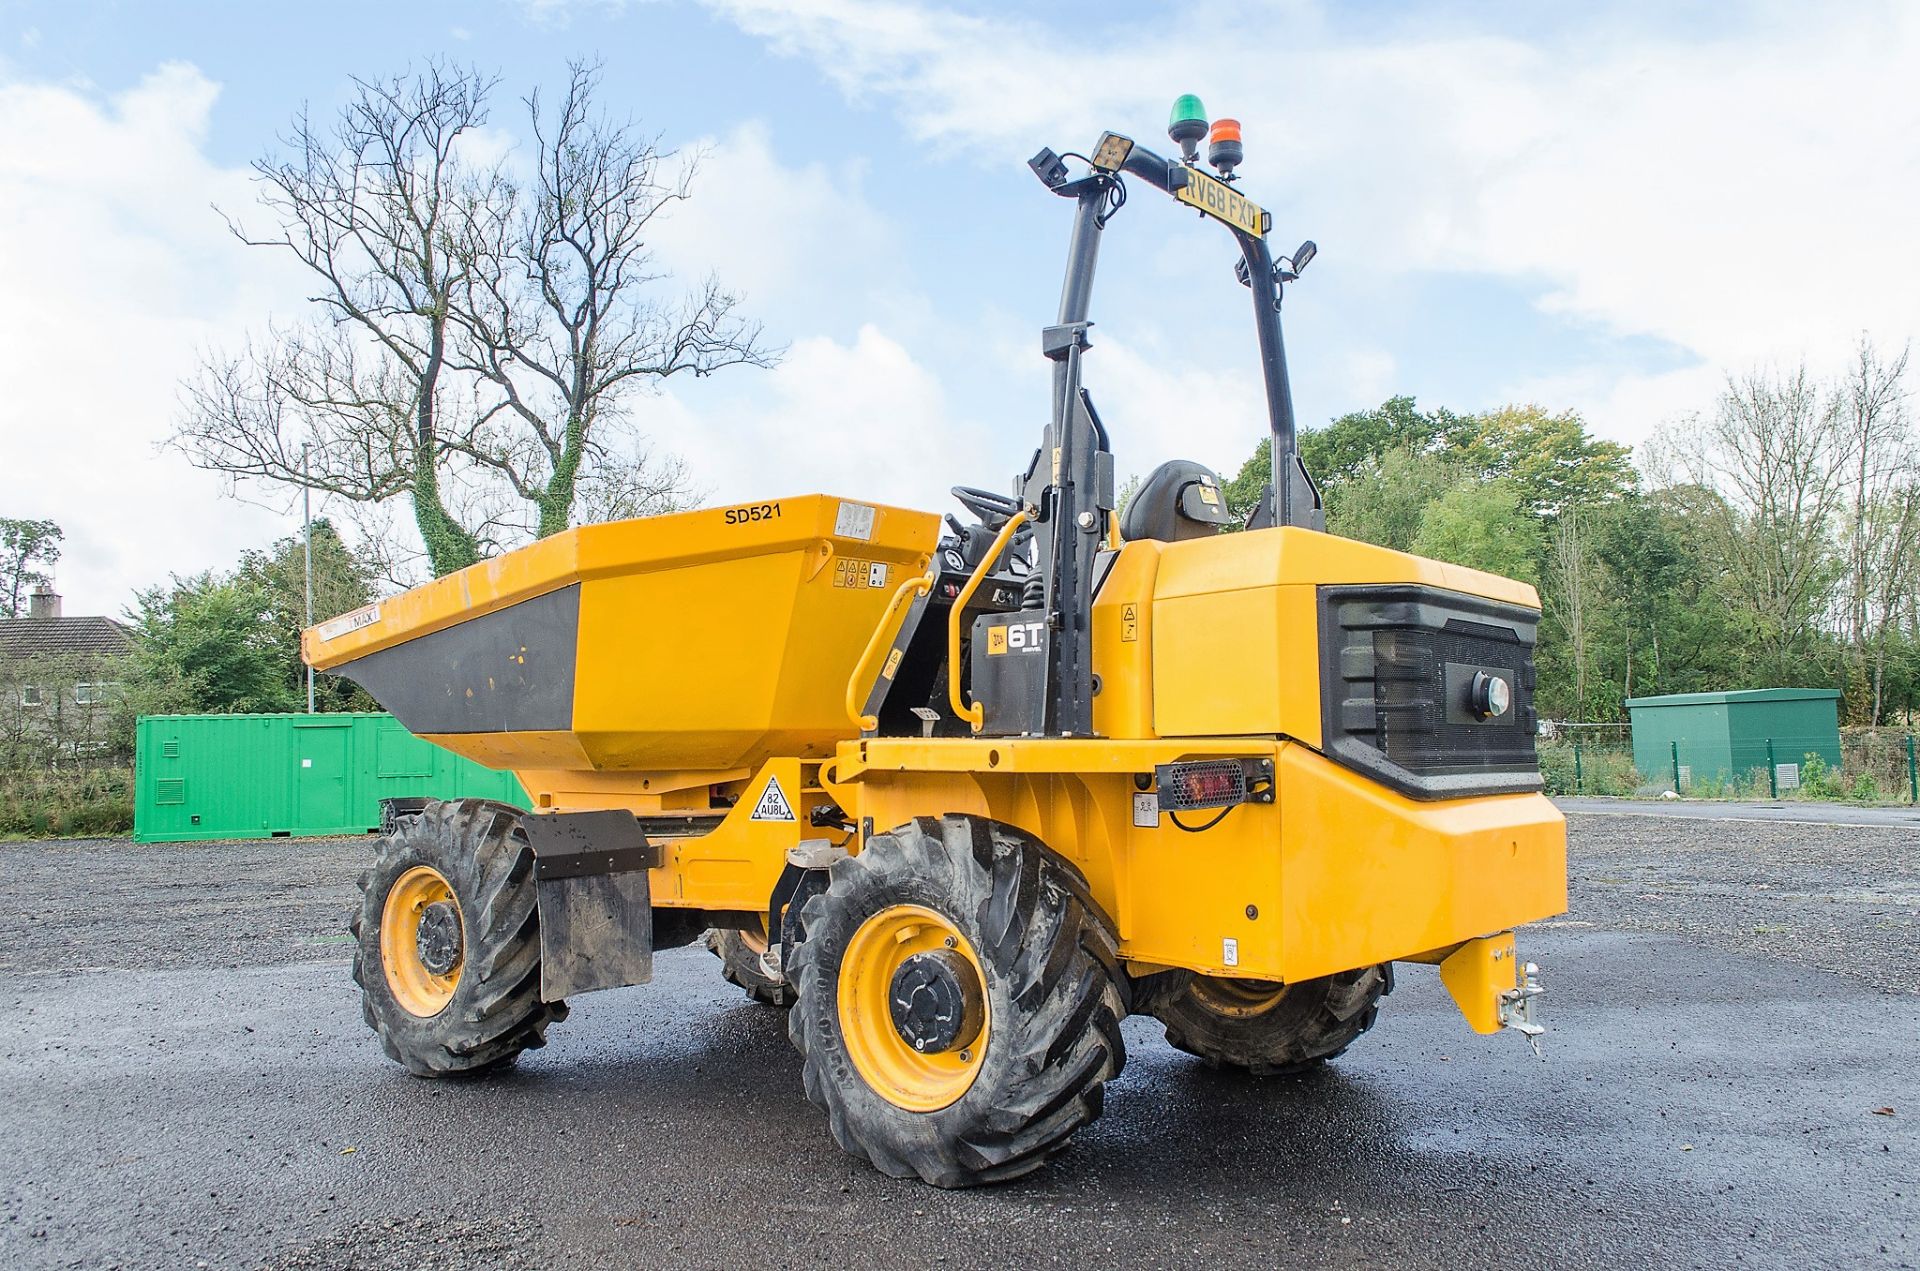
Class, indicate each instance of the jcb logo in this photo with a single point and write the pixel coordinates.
(1021, 637)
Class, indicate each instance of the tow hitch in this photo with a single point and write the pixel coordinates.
(1492, 988)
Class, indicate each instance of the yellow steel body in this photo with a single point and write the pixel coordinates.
(707, 640)
(715, 658)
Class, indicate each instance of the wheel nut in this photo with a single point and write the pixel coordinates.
(951, 943)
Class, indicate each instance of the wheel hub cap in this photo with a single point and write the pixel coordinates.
(935, 1001)
(439, 941)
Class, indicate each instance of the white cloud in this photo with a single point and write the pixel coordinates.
(1157, 407)
(784, 236)
(121, 273)
(116, 271)
(1369, 373)
(861, 418)
(1625, 408)
(851, 409)
(1745, 194)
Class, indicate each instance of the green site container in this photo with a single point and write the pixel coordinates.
(289, 776)
(1718, 737)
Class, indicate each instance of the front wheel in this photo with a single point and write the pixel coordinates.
(959, 1002)
(448, 960)
(1270, 1029)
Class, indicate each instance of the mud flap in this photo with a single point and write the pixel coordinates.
(595, 901)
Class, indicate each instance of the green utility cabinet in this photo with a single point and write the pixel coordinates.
(1726, 736)
(293, 776)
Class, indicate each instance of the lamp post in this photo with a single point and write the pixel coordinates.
(306, 515)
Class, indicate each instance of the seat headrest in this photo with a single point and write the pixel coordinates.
(1179, 500)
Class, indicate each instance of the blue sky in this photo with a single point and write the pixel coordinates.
(1600, 207)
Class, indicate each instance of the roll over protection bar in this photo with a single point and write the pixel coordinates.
(1070, 482)
(1298, 500)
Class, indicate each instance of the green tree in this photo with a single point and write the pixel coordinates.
(1484, 525)
(1244, 487)
(1661, 626)
(1346, 447)
(1550, 459)
(1351, 448)
(1385, 500)
(204, 644)
(342, 581)
(27, 548)
(1764, 482)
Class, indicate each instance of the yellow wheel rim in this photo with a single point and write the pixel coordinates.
(419, 989)
(1237, 999)
(907, 1078)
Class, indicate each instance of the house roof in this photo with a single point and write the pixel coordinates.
(63, 637)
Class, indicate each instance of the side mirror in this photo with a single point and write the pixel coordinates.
(1301, 255)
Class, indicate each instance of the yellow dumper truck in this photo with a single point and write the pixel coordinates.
(964, 793)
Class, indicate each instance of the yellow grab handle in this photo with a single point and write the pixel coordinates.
(975, 713)
(882, 636)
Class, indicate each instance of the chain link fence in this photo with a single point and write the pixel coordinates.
(1877, 765)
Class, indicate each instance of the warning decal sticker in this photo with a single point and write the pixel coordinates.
(346, 622)
(848, 572)
(854, 520)
(773, 805)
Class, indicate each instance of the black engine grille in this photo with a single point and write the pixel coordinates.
(1397, 667)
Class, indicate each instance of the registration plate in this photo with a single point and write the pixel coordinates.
(1219, 200)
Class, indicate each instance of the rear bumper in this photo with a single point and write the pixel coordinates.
(1368, 875)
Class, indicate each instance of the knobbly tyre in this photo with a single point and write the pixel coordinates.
(965, 794)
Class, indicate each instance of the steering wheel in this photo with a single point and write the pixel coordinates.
(985, 504)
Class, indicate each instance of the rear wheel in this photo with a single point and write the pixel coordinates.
(743, 961)
(959, 1002)
(448, 961)
(1270, 1029)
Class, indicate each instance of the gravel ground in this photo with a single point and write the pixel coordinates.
(108, 904)
(1844, 899)
(185, 1080)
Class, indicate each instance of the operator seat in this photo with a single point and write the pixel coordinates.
(1179, 500)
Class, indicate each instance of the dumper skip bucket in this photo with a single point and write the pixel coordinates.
(696, 641)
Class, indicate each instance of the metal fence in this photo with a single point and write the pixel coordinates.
(1878, 765)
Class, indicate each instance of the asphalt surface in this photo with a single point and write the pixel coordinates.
(1734, 1009)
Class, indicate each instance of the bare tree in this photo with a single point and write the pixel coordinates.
(1571, 594)
(479, 333)
(1767, 483)
(1881, 540)
(560, 315)
(370, 208)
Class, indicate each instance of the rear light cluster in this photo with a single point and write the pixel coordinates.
(1213, 783)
